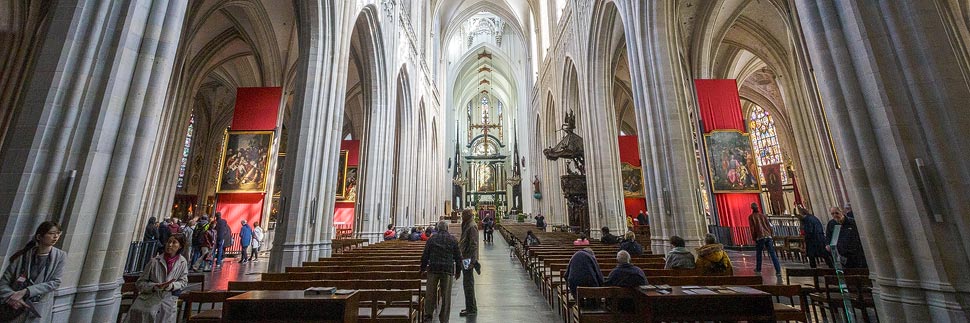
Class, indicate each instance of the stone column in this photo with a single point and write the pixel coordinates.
(894, 87)
(305, 223)
(662, 87)
(92, 104)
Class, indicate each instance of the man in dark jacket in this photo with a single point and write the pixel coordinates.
(608, 238)
(583, 270)
(762, 233)
(814, 238)
(441, 259)
(850, 243)
(469, 251)
(626, 275)
(223, 236)
(630, 244)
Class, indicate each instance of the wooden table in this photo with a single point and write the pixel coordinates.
(735, 303)
(290, 306)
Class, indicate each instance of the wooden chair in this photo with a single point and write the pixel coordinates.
(785, 312)
(604, 304)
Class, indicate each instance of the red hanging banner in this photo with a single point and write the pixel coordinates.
(720, 109)
(257, 108)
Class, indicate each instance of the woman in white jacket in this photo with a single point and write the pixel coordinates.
(33, 274)
(257, 241)
(163, 275)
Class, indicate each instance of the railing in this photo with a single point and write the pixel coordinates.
(140, 252)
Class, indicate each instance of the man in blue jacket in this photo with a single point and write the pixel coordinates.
(245, 237)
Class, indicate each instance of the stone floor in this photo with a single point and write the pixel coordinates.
(504, 290)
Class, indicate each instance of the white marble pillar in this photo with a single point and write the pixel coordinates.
(92, 104)
(894, 87)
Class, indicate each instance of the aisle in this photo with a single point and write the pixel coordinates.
(504, 291)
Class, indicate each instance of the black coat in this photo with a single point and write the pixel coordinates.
(850, 243)
(222, 232)
(814, 236)
(626, 275)
(632, 247)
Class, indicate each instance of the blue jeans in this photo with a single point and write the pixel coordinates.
(220, 252)
(196, 253)
(762, 244)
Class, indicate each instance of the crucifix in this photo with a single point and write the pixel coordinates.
(485, 126)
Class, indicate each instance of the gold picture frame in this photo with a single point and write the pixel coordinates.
(342, 175)
(731, 162)
(632, 181)
(244, 162)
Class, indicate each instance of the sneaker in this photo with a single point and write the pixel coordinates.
(467, 313)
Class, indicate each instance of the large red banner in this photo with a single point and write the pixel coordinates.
(720, 109)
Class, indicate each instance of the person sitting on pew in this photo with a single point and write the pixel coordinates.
(583, 270)
(711, 258)
(441, 260)
(607, 237)
(415, 234)
(531, 239)
(631, 245)
(427, 233)
(390, 234)
(582, 241)
(679, 257)
(160, 282)
(626, 275)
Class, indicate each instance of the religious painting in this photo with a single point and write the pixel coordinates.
(342, 175)
(776, 197)
(274, 211)
(245, 161)
(350, 185)
(632, 181)
(731, 162)
(278, 181)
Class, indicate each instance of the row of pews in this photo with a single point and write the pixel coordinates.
(375, 283)
(735, 298)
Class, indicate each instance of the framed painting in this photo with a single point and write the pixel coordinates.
(342, 175)
(278, 180)
(244, 162)
(350, 185)
(731, 162)
(632, 180)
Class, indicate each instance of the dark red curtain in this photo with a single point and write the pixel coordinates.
(720, 104)
(720, 109)
(256, 108)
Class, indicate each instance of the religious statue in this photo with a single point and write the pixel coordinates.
(536, 193)
(570, 147)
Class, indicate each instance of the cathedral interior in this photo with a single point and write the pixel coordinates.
(333, 120)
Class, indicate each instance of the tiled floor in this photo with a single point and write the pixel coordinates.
(504, 291)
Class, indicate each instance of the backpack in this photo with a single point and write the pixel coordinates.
(199, 239)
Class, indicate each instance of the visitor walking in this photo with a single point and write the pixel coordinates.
(245, 239)
(761, 232)
(441, 259)
(849, 243)
(814, 235)
(223, 236)
(257, 242)
(469, 254)
(488, 226)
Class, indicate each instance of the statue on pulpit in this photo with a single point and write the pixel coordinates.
(570, 147)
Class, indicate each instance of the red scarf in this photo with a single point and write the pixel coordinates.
(170, 261)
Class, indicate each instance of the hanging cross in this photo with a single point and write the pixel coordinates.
(485, 126)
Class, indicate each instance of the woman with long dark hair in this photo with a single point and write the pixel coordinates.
(160, 283)
(34, 272)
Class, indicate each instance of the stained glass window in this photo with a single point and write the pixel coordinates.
(765, 141)
(186, 149)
